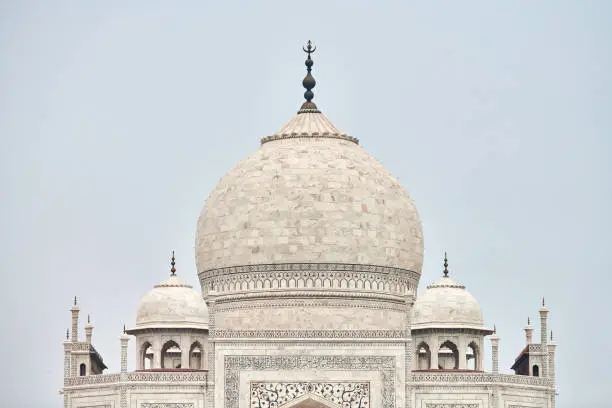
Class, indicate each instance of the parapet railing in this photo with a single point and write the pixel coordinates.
(139, 376)
(92, 379)
(458, 377)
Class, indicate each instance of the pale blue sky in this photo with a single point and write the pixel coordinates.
(118, 119)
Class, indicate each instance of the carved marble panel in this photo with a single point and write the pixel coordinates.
(342, 394)
(386, 365)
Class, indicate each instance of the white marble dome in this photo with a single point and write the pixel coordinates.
(447, 304)
(310, 194)
(172, 304)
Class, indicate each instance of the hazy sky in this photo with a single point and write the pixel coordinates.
(117, 120)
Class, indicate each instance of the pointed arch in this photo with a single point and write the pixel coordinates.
(196, 356)
(448, 356)
(171, 355)
(146, 356)
(423, 356)
(472, 356)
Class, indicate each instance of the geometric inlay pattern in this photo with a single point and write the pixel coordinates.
(385, 365)
(167, 405)
(342, 394)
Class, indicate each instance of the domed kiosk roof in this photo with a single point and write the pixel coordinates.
(446, 304)
(310, 194)
(172, 304)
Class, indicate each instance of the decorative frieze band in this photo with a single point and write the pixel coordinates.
(310, 334)
(309, 275)
(167, 405)
(314, 135)
(93, 379)
(363, 302)
(386, 365)
(195, 376)
(164, 376)
(456, 377)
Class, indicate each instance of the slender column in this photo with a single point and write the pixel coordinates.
(480, 351)
(461, 350)
(124, 346)
(88, 330)
(210, 392)
(495, 353)
(185, 347)
(434, 348)
(528, 333)
(495, 368)
(140, 361)
(156, 363)
(409, 346)
(75, 321)
(73, 364)
(543, 338)
(67, 371)
(124, 339)
(551, 360)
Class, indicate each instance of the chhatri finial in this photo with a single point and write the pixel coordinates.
(309, 82)
(445, 266)
(172, 262)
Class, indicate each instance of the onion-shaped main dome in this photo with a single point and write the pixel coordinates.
(446, 304)
(172, 304)
(310, 194)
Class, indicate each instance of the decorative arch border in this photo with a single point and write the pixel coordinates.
(233, 365)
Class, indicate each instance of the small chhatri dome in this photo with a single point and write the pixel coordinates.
(447, 304)
(172, 304)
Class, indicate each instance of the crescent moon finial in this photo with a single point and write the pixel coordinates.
(309, 82)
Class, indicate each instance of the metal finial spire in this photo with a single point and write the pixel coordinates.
(543, 304)
(528, 321)
(173, 269)
(75, 300)
(124, 331)
(309, 82)
(494, 329)
(551, 336)
(445, 266)
(88, 319)
(67, 334)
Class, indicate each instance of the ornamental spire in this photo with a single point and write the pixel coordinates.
(445, 266)
(172, 262)
(309, 82)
